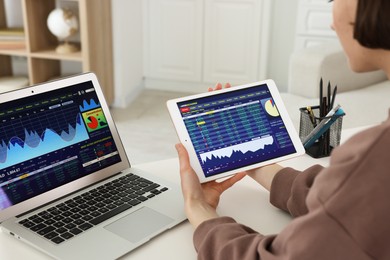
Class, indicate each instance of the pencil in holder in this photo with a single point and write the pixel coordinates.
(327, 141)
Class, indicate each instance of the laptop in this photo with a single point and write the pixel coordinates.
(66, 185)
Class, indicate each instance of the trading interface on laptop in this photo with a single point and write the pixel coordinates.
(50, 139)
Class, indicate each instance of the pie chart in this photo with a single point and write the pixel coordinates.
(93, 122)
(270, 108)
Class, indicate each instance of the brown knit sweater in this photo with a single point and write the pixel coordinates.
(341, 212)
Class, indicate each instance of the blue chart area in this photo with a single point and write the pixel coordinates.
(238, 155)
(231, 152)
(88, 105)
(39, 133)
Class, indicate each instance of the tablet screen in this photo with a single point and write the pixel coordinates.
(235, 129)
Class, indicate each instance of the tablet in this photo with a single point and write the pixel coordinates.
(234, 129)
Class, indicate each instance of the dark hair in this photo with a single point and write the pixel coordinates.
(372, 25)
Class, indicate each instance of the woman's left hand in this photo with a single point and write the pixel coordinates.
(201, 200)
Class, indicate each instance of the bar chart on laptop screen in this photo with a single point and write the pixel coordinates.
(235, 131)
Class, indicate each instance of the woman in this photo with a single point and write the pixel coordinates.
(341, 212)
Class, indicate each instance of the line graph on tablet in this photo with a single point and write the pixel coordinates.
(235, 131)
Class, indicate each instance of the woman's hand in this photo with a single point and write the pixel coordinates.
(264, 175)
(201, 200)
(218, 86)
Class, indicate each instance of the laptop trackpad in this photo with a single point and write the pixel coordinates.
(139, 224)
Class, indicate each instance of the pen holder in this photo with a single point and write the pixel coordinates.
(327, 141)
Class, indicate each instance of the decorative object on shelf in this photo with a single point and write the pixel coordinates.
(12, 38)
(29, 37)
(63, 23)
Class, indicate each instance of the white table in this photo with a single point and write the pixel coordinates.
(247, 202)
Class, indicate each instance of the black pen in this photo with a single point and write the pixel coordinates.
(321, 112)
(333, 97)
(329, 101)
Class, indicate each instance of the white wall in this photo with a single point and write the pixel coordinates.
(128, 50)
(14, 7)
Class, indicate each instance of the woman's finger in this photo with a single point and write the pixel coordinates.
(184, 160)
(226, 184)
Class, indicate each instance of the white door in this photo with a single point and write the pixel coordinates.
(174, 39)
(232, 40)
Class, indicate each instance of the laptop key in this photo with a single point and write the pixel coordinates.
(58, 217)
(85, 226)
(110, 214)
(111, 206)
(151, 187)
(49, 222)
(103, 210)
(28, 224)
(51, 235)
(38, 227)
(134, 202)
(75, 231)
(58, 240)
(67, 214)
(140, 192)
(145, 180)
(142, 198)
(61, 230)
(155, 192)
(84, 212)
(133, 177)
(70, 226)
(87, 218)
(67, 235)
(79, 221)
(95, 214)
(46, 230)
(118, 202)
(67, 220)
(38, 220)
(125, 199)
(23, 221)
(58, 224)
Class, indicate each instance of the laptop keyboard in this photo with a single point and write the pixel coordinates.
(74, 216)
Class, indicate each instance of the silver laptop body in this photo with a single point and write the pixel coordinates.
(61, 158)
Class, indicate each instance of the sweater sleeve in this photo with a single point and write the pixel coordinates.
(343, 216)
(289, 190)
(290, 187)
(223, 238)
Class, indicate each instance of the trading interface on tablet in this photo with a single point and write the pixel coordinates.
(235, 129)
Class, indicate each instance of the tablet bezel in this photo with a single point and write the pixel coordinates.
(184, 137)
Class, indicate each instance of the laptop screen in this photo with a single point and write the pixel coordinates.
(50, 139)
